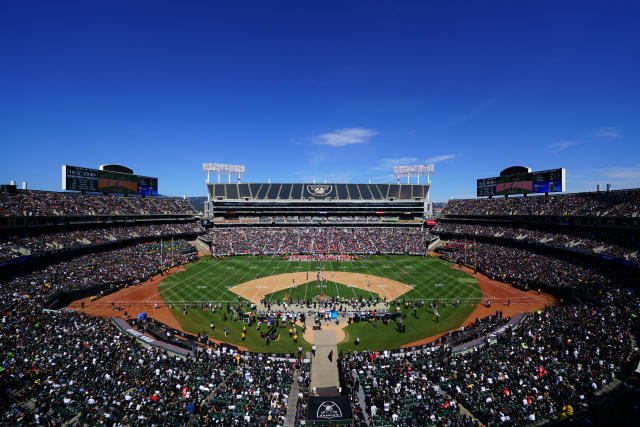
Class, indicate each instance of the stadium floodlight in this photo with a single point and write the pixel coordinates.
(222, 168)
(413, 170)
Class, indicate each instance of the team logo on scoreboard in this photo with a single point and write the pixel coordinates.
(319, 190)
(329, 410)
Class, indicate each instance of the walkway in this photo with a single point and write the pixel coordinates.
(292, 402)
(324, 372)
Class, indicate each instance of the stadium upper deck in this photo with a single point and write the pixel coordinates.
(317, 192)
(239, 200)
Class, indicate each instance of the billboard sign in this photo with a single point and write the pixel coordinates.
(76, 178)
(547, 181)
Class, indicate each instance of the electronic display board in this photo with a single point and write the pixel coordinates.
(486, 187)
(147, 186)
(94, 180)
(116, 182)
(79, 179)
(548, 181)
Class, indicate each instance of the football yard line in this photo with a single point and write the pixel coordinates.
(424, 281)
(367, 269)
(222, 284)
(433, 276)
(264, 275)
(458, 280)
(218, 278)
(470, 288)
(457, 291)
(176, 294)
(306, 285)
(398, 276)
(333, 269)
(191, 294)
(173, 285)
(269, 263)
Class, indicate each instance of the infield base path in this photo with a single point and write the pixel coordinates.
(254, 290)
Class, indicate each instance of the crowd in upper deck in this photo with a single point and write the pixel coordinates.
(622, 203)
(47, 203)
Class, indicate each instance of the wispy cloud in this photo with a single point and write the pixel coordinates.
(618, 176)
(610, 132)
(442, 158)
(561, 146)
(621, 173)
(348, 136)
(387, 163)
(474, 112)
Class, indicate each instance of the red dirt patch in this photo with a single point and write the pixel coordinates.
(505, 298)
(134, 300)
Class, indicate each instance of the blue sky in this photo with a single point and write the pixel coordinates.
(341, 91)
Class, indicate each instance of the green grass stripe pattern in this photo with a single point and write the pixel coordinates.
(313, 290)
(430, 278)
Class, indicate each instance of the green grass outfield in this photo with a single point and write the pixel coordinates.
(314, 290)
(210, 280)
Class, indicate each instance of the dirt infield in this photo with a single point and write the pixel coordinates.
(505, 298)
(254, 290)
(144, 296)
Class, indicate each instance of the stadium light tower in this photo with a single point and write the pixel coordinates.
(413, 170)
(221, 168)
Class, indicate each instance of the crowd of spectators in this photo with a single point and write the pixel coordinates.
(306, 219)
(79, 369)
(64, 367)
(58, 367)
(48, 203)
(552, 364)
(397, 390)
(533, 265)
(623, 244)
(128, 265)
(16, 244)
(308, 240)
(621, 203)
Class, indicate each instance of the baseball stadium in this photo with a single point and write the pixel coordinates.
(294, 214)
(292, 303)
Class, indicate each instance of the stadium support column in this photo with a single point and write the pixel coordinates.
(428, 206)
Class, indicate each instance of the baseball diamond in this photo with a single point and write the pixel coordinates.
(262, 214)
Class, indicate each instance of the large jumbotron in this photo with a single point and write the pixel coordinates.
(317, 303)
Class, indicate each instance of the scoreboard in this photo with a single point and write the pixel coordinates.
(86, 179)
(79, 179)
(486, 187)
(547, 181)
